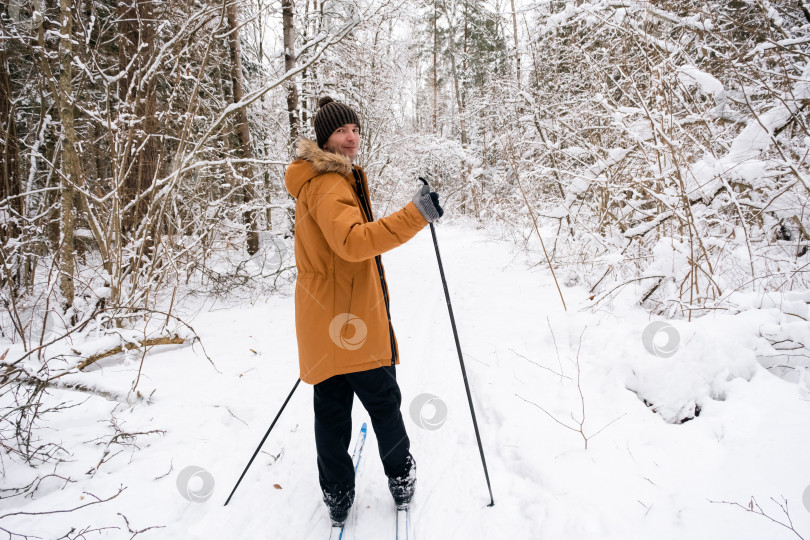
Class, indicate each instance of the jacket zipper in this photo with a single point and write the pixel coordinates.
(367, 211)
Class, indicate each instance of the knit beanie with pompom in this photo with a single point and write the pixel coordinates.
(330, 116)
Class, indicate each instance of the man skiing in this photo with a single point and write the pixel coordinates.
(346, 342)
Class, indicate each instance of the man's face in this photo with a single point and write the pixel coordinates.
(344, 140)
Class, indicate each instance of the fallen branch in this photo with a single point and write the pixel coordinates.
(754, 508)
(136, 533)
(80, 534)
(97, 501)
(111, 395)
(173, 340)
(604, 295)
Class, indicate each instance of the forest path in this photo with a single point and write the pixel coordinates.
(639, 478)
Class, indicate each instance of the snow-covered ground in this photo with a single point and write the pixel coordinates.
(645, 474)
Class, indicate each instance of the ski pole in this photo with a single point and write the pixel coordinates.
(460, 358)
(261, 443)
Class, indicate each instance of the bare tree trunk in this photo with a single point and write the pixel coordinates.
(515, 33)
(464, 58)
(9, 151)
(454, 70)
(242, 126)
(136, 38)
(289, 64)
(70, 159)
(14, 272)
(435, 79)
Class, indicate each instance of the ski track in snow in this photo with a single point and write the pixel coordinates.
(639, 478)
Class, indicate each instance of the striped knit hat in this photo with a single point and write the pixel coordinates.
(330, 116)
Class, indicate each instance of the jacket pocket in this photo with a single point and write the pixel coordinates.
(347, 330)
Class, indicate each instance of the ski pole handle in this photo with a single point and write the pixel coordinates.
(425, 186)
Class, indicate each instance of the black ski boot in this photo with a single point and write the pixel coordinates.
(403, 485)
(339, 503)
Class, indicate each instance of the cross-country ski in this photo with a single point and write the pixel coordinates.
(337, 529)
(403, 524)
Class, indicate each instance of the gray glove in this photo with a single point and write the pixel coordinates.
(428, 204)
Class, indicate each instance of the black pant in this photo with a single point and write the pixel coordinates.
(379, 393)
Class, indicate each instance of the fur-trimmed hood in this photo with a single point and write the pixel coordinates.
(313, 161)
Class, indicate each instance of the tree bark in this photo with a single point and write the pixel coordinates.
(242, 127)
(515, 33)
(289, 63)
(9, 152)
(435, 78)
(452, 46)
(70, 158)
(136, 39)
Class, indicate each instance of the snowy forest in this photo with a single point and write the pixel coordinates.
(647, 159)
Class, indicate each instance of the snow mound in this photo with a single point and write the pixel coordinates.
(702, 368)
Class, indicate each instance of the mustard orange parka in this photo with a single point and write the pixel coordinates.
(342, 313)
